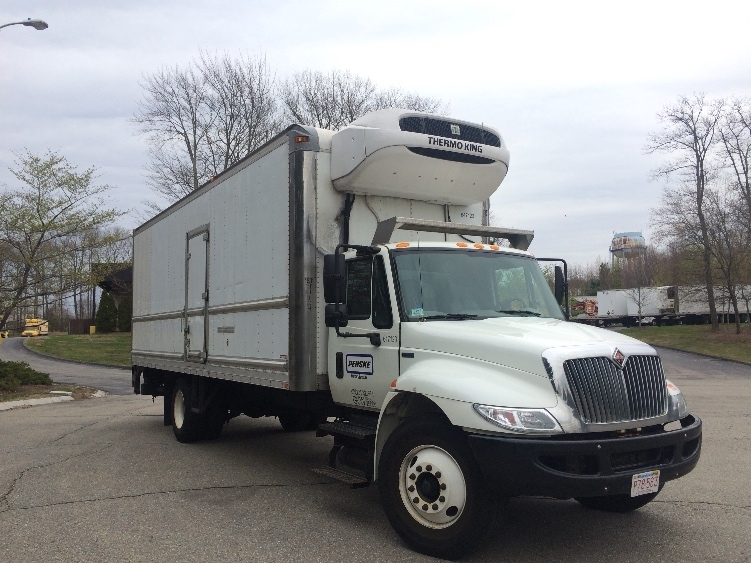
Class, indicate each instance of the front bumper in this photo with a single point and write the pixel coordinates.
(579, 466)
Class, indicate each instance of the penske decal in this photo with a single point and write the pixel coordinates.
(359, 364)
(454, 144)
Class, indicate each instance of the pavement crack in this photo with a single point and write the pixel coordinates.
(163, 492)
(4, 497)
(705, 503)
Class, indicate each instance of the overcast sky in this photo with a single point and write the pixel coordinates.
(573, 87)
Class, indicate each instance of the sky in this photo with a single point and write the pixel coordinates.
(573, 87)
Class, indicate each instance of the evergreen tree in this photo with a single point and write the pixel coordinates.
(106, 315)
(125, 314)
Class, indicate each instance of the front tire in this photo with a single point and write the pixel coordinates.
(433, 492)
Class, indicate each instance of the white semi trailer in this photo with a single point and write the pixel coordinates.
(339, 281)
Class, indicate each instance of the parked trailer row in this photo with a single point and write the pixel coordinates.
(660, 305)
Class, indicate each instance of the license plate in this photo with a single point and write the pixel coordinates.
(645, 483)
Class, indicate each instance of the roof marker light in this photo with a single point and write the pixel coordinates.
(462, 244)
(302, 139)
(478, 245)
(402, 244)
(495, 247)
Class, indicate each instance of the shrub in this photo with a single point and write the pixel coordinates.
(13, 374)
(106, 315)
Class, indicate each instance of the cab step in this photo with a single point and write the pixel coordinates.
(354, 481)
(349, 429)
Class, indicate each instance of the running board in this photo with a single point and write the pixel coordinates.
(354, 481)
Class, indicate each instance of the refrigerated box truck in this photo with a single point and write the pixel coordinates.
(348, 282)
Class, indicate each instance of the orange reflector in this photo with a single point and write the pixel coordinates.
(393, 383)
(495, 247)
(478, 245)
(302, 139)
(462, 244)
(402, 244)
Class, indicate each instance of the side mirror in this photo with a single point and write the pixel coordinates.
(334, 278)
(332, 315)
(560, 285)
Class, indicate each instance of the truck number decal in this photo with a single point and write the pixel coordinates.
(363, 398)
(359, 366)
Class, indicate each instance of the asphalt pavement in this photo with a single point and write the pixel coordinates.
(104, 480)
(112, 380)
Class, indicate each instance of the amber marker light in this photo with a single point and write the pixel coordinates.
(495, 247)
(478, 245)
(402, 244)
(462, 244)
(393, 383)
(302, 139)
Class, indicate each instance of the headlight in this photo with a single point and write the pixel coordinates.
(519, 420)
(677, 402)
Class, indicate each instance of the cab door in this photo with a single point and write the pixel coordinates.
(360, 373)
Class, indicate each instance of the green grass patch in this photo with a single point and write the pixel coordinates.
(724, 344)
(111, 349)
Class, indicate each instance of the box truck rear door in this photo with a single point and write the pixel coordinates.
(196, 294)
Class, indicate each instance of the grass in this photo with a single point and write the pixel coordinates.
(111, 349)
(700, 339)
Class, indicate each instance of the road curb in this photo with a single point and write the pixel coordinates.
(700, 354)
(51, 357)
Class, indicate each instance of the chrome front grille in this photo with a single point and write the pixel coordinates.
(604, 393)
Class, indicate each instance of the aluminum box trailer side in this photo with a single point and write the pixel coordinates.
(212, 276)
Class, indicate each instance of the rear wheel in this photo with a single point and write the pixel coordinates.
(432, 490)
(185, 423)
(616, 503)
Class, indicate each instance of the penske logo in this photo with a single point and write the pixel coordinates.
(359, 364)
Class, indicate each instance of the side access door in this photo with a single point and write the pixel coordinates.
(195, 314)
(360, 373)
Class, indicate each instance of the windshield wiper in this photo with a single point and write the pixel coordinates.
(519, 312)
(452, 316)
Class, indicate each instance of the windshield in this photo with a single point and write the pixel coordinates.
(455, 285)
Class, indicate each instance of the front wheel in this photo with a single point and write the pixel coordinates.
(616, 503)
(433, 492)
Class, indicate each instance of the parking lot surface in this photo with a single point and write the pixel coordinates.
(104, 480)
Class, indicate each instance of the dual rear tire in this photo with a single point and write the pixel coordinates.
(189, 426)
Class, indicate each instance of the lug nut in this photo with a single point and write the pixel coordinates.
(441, 499)
(411, 489)
(418, 468)
(412, 477)
(425, 507)
(443, 486)
(437, 474)
(428, 468)
(415, 500)
(435, 507)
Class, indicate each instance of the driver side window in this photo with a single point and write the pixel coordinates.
(367, 291)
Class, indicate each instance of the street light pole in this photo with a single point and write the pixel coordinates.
(39, 25)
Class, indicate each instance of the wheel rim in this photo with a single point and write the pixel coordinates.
(178, 409)
(432, 486)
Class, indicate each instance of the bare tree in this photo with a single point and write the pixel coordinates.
(729, 241)
(735, 132)
(639, 271)
(202, 119)
(332, 101)
(690, 134)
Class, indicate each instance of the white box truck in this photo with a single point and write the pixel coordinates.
(344, 282)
